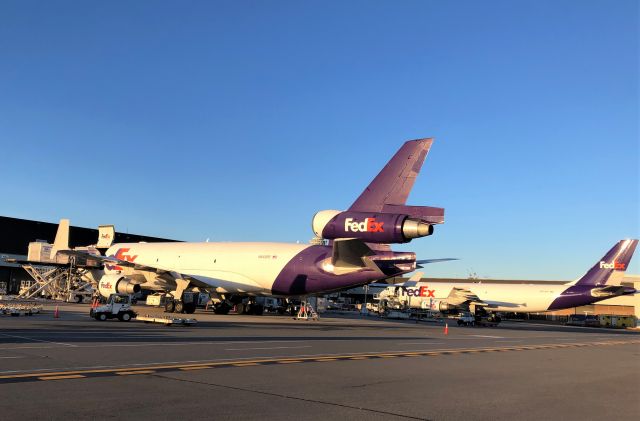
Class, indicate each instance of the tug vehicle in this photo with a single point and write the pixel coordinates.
(118, 305)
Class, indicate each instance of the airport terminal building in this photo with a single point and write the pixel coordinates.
(16, 234)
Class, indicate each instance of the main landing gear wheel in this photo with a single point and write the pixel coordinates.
(179, 307)
(222, 308)
(169, 306)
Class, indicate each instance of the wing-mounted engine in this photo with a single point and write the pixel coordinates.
(372, 227)
(112, 283)
(459, 299)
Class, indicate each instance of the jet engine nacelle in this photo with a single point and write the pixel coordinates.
(440, 306)
(111, 284)
(370, 227)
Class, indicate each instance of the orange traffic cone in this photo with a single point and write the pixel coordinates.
(446, 328)
(56, 313)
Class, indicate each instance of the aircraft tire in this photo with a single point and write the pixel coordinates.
(169, 306)
(179, 308)
(222, 309)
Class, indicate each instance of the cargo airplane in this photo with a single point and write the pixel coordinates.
(351, 248)
(601, 282)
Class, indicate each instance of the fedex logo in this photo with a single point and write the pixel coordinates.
(423, 291)
(120, 255)
(105, 285)
(369, 225)
(615, 265)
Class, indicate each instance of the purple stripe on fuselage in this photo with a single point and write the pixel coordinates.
(580, 295)
(302, 275)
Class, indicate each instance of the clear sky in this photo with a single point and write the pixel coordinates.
(238, 120)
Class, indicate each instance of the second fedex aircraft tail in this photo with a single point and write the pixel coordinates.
(611, 268)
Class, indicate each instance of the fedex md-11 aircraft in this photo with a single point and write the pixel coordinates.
(601, 282)
(353, 250)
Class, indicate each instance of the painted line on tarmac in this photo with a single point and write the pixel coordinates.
(36, 340)
(67, 377)
(274, 347)
(153, 369)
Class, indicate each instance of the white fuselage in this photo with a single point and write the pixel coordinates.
(230, 267)
(498, 297)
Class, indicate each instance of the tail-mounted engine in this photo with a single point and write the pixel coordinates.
(111, 284)
(384, 228)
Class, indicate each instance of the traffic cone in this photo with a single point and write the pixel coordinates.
(446, 328)
(56, 313)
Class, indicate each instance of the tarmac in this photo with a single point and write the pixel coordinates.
(347, 366)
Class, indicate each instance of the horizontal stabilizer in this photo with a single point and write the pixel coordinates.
(424, 213)
(350, 254)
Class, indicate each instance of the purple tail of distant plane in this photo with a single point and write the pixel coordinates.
(615, 261)
(602, 281)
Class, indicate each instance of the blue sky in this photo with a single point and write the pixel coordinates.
(238, 120)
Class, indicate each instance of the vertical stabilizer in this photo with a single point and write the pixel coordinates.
(393, 184)
(62, 238)
(106, 234)
(611, 268)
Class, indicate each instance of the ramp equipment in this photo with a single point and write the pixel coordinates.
(167, 320)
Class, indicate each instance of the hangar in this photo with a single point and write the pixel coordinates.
(16, 234)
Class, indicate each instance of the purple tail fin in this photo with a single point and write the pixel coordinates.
(612, 265)
(393, 184)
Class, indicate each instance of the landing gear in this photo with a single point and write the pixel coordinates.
(179, 307)
(169, 306)
(250, 308)
(221, 308)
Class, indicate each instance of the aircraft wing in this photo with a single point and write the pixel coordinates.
(112, 261)
(419, 263)
(459, 296)
(229, 283)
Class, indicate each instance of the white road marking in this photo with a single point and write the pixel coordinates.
(11, 357)
(511, 340)
(419, 343)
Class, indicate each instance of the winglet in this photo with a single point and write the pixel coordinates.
(62, 238)
(393, 184)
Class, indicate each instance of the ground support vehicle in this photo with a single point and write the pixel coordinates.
(490, 320)
(118, 305)
(465, 319)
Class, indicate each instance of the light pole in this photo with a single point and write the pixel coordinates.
(364, 310)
